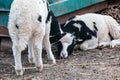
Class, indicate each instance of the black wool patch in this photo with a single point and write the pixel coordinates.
(85, 33)
(60, 48)
(70, 48)
(94, 24)
(17, 26)
(70, 28)
(40, 19)
(56, 38)
(54, 27)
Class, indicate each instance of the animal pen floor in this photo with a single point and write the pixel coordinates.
(81, 65)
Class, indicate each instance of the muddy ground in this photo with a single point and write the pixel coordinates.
(81, 65)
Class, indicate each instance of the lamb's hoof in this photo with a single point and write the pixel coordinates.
(39, 68)
(112, 45)
(19, 72)
(54, 62)
(101, 45)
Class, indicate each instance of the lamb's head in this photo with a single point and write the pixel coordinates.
(66, 45)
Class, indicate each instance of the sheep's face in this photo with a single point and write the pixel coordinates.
(66, 45)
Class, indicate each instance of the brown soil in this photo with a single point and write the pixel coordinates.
(81, 65)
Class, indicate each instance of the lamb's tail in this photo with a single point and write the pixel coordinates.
(113, 26)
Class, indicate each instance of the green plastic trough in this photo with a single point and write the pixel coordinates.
(59, 7)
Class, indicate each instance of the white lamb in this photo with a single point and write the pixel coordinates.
(27, 26)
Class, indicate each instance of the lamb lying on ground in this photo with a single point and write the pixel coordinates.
(30, 23)
(89, 31)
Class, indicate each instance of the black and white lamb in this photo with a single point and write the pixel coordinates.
(89, 31)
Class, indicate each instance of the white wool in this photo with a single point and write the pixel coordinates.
(24, 14)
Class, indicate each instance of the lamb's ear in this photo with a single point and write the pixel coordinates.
(56, 38)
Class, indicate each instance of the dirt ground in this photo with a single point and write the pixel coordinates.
(81, 65)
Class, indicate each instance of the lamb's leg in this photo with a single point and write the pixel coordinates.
(48, 48)
(104, 41)
(31, 57)
(89, 44)
(104, 44)
(114, 29)
(38, 40)
(93, 46)
(17, 59)
(18, 47)
(114, 43)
